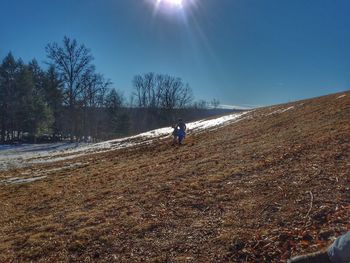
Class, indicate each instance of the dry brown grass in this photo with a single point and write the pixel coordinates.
(239, 194)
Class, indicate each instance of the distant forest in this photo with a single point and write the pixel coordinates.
(71, 101)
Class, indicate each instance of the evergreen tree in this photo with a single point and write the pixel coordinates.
(38, 76)
(118, 122)
(33, 115)
(53, 94)
(43, 118)
(24, 107)
(8, 74)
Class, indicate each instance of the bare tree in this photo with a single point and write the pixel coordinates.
(161, 91)
(159, 96)
(201, 104)
(145, 90)
(215, 103)
(74, 64)
(174, 93)
(92, 97)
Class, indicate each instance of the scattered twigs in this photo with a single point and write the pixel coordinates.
(311, 205)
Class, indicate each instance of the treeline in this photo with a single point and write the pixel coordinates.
(71, 101)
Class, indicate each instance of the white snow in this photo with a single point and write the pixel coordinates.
(280, 110)
(69, 166)
(12, 156)
(18, 180)
(341, 96)
(25, 155)
(40, 174)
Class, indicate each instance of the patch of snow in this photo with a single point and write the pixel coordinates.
(238, 107)
(34, 148)
(21, 156)
(41, 174)
(70, 166)
(341, 96)
(6, 147)
(280, 110)
(17, 180)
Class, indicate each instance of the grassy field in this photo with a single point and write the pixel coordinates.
(260, 190)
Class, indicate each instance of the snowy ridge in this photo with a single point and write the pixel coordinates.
(25, 155)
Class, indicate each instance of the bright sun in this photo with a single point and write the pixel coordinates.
(171, 7)
(176, 3)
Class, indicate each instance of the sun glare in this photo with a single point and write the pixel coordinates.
(171, 8)
(171, 3)
(175, 2)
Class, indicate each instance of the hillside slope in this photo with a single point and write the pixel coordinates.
(273, 184)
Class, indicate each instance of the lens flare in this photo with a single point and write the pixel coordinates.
(173, 6)
(173, 3)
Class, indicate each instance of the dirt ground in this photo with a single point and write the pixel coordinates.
(273, 185)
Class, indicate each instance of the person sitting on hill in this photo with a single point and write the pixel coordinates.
(181, 131)
(338, 252)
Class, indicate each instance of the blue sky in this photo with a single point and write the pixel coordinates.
(242, 52)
